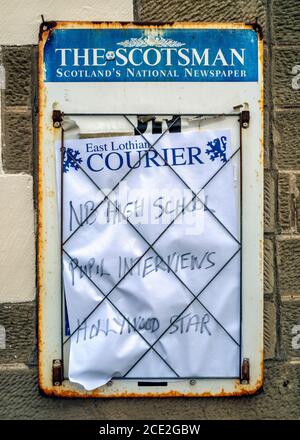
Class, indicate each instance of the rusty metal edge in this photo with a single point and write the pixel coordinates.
(41, 45)
(50, 25)
(256, 27)
(67, 393)
(46, 26)
(54, 391)
(261, 71)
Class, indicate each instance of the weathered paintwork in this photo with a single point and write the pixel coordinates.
(48, 315)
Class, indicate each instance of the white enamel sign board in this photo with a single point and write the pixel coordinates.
(150, 209)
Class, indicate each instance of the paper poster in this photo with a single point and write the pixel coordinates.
(151, 256)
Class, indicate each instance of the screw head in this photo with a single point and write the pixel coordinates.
(245, 125)
(56, 124)
(193, 382)
(110, 55)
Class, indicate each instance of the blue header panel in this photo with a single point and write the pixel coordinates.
(151, 55)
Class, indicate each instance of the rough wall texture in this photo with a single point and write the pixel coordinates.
(19, 22)
(19, 395)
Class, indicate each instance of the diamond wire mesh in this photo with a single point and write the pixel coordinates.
(150, 245)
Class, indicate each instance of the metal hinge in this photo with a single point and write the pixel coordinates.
(57, 372)
(245, 371)
(245, 118)
(57, 118)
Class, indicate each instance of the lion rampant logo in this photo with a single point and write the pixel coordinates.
(72, 159)
(217, 148)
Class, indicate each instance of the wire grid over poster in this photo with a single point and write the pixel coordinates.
(200, 316)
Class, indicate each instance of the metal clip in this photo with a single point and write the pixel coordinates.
(57, 372)
(57, 118)
(245, 118)
(245, 371)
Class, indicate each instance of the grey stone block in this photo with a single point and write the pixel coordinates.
(20, 398)
(201, 10)
(283, 61)
(269, 330)
(284, 203)
(286, 134)
(268, 266)
(288, 257)
(286, 21)
(17, 151)
(19, 323)
(269, 202)
(267, 141)
(18, 66)
(290, 325)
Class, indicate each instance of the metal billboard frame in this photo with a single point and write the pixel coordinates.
(49, 312)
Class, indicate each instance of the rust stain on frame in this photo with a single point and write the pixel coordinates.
(49, 26)
(40, 218)
(240, 390)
